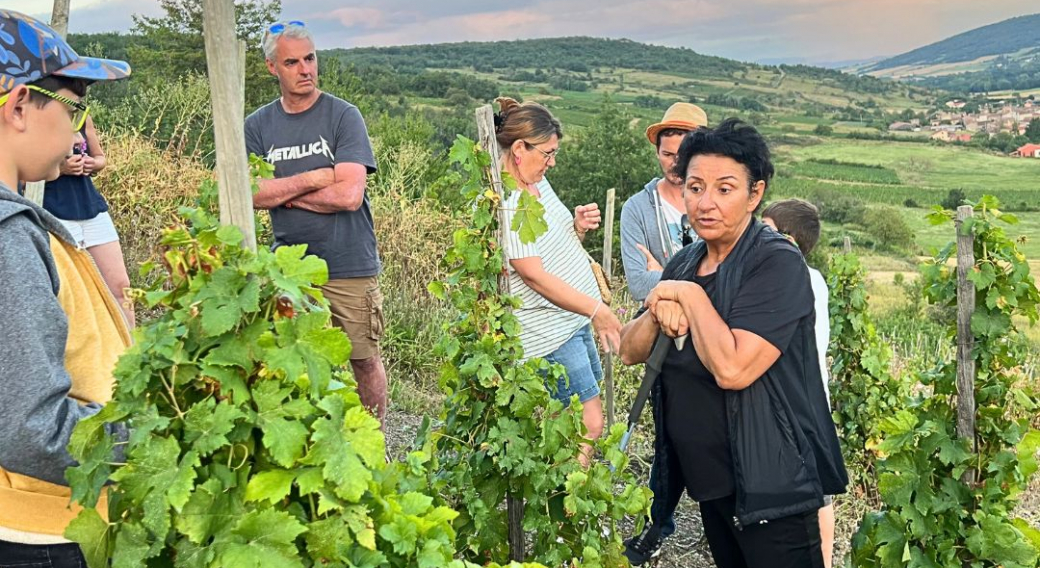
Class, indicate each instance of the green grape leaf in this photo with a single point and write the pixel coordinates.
(207, 424)
(283, 435)
(131, 546)
(225, 299)
(272, 485)
(402, 534)
(209, 510)
(329, 540)
(93, 448)
(296, 271)
(306, 345)
(93, 535)
(193, 555)
(529, 219)
(340, 443)
(229, 235)
(263, 539)
(159, 481)
(310, 480)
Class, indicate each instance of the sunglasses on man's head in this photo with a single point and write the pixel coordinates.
(280, 26)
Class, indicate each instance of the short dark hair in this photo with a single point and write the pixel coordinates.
(734, 139)
(669, 132)
(55, 83)
(797, 218)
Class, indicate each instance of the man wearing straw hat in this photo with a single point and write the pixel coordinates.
(651, 220)
(653, 229)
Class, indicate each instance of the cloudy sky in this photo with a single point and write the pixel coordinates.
(750, 30)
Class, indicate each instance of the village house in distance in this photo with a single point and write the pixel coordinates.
(956, 124)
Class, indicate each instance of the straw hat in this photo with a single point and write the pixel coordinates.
(684, 116)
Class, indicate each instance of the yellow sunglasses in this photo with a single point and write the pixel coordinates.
(79, 118)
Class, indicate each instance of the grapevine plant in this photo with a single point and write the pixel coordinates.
(864, 390)
(249, 446)
(501, 433)
(932, 517)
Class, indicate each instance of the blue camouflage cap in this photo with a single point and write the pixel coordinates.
(30, 50)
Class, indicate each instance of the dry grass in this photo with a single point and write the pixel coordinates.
(412, 236)
(144, 187)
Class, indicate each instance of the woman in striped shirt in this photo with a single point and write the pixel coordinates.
(560, 300)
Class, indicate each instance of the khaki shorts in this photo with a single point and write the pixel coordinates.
(357, 307)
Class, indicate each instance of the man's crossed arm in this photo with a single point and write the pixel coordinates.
(324, 190)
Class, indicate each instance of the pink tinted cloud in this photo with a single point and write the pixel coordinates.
(616, 18)
(481, 26)
(368, 18)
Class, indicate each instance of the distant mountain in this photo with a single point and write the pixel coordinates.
(844, 64)
(848, 63)
(1000, 56)
(1002, 38)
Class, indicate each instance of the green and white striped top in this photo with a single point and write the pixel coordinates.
(545, 326)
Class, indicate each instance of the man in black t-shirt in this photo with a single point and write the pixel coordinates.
(320, 149)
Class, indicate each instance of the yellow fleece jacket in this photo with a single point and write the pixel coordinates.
(98, 335)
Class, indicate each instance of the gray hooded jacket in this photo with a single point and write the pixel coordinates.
(643, 223)
(38, 416)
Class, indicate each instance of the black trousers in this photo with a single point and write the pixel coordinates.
(13, 554)
(790, 542)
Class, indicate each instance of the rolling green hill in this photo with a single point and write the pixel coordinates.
(578, 54)
(577, 72)
(1000, 56)
(1002, 38)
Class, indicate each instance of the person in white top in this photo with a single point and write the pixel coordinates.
(552, 276)
(800, 221)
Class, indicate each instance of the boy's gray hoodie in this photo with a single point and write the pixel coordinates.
(36, 414)
(642, 222)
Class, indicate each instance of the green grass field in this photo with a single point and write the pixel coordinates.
(928, 166)
(843, 171)
(930, 236)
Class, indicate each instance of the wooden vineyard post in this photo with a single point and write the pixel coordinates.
(225, 63)
(608, 246)
(486, 135)
(60, 24)
(965, 338)
(60, 17)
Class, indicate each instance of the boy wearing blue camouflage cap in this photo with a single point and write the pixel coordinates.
(60, 327)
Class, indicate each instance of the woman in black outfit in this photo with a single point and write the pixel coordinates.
(746, 430)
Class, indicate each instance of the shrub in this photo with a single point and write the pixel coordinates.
(889, 227)
(838, 207)
(949, 499)
(144, 186)
(863, 390)
(954, 199)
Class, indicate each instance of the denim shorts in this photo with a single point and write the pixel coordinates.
(580, 360)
